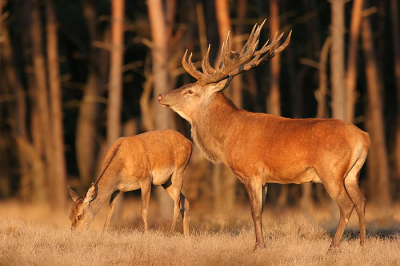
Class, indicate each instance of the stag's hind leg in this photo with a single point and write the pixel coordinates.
(351, 184)
(337, 191)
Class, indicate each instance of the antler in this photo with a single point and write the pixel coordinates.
(242, 61)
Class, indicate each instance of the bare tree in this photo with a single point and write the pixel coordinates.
(224, 181)
(396, 47)
(163, 119)
(1, 21)
(41, 95)
(351, 74)
(86, 131)
(115, 77)
(33, 151)
(19, 116)
(57, 181)
(380, 183)
(274, 98)
(322, 91)
(337, 60)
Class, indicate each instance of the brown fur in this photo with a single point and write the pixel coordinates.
(264, 148)
(152, 158)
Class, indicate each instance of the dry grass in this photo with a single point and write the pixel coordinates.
(30, 235)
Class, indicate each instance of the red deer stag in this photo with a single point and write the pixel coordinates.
(156, 157)
(264, 148)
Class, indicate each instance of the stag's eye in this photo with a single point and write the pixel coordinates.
(79, 217)
(190, 92)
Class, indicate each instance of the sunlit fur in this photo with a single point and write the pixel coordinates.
(263, 148)
(138, 162)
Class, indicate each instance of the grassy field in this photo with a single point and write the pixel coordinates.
(32, 235)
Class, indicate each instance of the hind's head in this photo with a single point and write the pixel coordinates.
(81, 212)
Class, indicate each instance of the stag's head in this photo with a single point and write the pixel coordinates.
(187, 100)
(82, 215)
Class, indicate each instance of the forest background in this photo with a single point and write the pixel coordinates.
(76, 75)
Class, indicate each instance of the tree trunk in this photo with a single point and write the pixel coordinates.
(115, 78)
(58, 180)
(322, 91)
(41, 97)
(381, 194)
(274, 97)
(351, 75)
(86, 132)
(33, 153)
(225, 191)
(306, 201)
(396, 47)
(19, 128)
(1, 34)
(163, 116)
(337, 60)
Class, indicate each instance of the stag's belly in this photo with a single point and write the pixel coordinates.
(292, 177)
(282, 171)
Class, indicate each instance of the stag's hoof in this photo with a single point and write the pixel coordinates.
(332, 250)
(259, 246)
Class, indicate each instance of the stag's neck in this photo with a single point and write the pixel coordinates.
(210, 127)
(104, 189)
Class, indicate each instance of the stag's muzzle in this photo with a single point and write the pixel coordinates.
(162, 101)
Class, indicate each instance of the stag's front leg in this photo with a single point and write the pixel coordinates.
(113, 201)
(145, 191)
(255, 191)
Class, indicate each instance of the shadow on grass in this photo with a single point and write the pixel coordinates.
(380, 229)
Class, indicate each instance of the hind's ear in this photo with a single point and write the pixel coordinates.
(90, 194)
(73, 194)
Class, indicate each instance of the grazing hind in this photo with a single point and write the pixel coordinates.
(152, 158)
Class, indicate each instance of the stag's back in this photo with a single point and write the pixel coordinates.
(285, 148)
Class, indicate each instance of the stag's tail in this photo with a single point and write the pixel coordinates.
(109, 156)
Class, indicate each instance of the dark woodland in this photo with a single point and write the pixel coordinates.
(77, 74)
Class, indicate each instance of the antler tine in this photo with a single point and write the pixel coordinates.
(282, 47)
(205, 64)
(244, 48)
(247, 58)
(266, 48)
(190, 68)
(255, 33)
(257, 60)
(225, 52)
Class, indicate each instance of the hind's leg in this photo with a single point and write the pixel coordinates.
(173, 188)
(145, 191)
(113, 201)
(184, 207)
(338, 193)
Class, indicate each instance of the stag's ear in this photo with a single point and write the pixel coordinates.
(73, 194)
(90, 194)
(220, 86)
